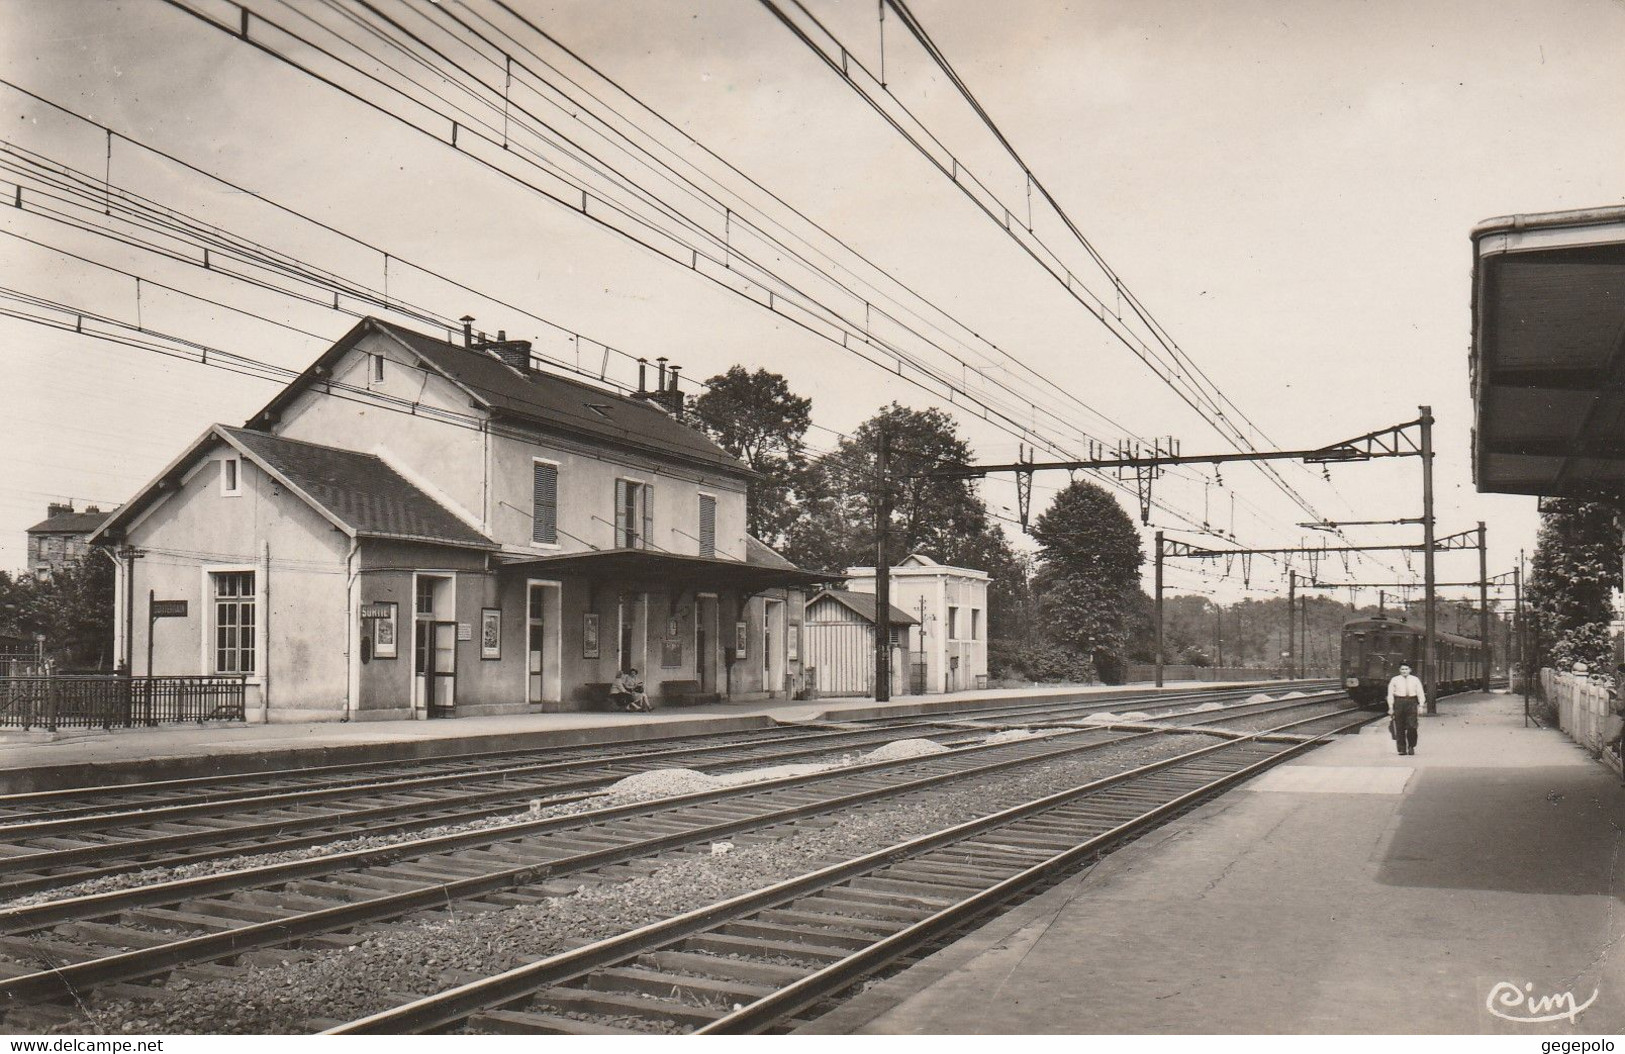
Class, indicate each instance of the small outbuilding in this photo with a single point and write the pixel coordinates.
(840, 643)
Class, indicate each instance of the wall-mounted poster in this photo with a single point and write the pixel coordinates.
(671, 653)
(672, 626)
(739, 640)
(589, 635)
(792, 642)
(490, 633)
(383, 618)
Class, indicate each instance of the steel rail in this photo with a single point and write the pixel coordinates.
(67, 980)
(250, 791)
(453, 1006)
(137, 850)
(137, 854)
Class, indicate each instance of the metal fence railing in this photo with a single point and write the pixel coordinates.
(113, 701)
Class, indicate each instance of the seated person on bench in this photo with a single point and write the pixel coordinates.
(626, 691)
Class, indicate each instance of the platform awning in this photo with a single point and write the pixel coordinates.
(1548, 355)
(670, 572)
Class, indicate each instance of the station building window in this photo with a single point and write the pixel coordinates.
(234, 621)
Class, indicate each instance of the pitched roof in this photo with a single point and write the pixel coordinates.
(359, 493)
(759, 552)
(71, 523)
(536, 397)
(863, 605)
(359, 490)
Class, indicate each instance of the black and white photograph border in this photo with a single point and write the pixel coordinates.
(462, 454)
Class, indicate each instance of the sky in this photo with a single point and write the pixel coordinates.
(1288, 187)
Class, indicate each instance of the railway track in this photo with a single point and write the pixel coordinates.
(755, 962)
(62, 950)
(27, 806)
(45, 851)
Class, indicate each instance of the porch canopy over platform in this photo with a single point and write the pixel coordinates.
(671, 572)
(1548, 353)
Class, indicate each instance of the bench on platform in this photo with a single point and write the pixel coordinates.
(685, 693)
(594, 695)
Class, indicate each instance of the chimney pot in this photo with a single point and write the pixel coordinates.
(643, 367)
(662, 361)
(468, 330)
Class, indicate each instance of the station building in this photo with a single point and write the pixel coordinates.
(420, 528)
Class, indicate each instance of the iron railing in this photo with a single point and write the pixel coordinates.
(115, 701)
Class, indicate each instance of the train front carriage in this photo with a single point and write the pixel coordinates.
(1374, 649)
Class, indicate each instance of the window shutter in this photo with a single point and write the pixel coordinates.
(708, 525)
(621, 526)
(648, 515)
(545, 504)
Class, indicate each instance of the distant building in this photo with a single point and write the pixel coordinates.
(948, 606)
(61, 538)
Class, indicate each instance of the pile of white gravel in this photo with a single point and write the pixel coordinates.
(1206, 707)
(1294, 695)
(1010, 735)
(898, 749)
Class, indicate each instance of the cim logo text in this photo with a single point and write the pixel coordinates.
(1511, 1003)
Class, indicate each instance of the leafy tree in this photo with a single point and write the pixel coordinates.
(1576, 567)
(73, 608)
(754, 416)
(1088, 583)
(942, 518)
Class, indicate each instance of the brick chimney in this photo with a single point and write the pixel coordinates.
(56, 508)
(515, 353)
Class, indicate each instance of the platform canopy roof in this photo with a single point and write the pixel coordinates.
(659, 571)
(1548, 355)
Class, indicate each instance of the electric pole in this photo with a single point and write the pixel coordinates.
(1484, 601)
(1159, 609)
(1292, 625)
(882, 691)
(1430, 641)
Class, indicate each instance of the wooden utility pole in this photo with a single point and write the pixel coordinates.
(1430, 676)
(1218, 636)
(1159, 608)
(882, 691)
(1484, 601)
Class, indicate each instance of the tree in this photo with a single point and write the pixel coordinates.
(942, 518)
(754, 416)
(1088, 583)
(73, 608)
(1575, 569)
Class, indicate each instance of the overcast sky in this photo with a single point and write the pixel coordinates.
(1287, 186)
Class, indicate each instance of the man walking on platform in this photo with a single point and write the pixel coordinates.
(1405, 698)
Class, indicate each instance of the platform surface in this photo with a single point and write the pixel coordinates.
(1350, 891)
(122, 755)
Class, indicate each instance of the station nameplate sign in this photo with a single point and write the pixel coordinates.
(168, 609)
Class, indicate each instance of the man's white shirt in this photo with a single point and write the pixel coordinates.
(1405, 684)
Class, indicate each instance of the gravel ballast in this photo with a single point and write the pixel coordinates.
(311, 989)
